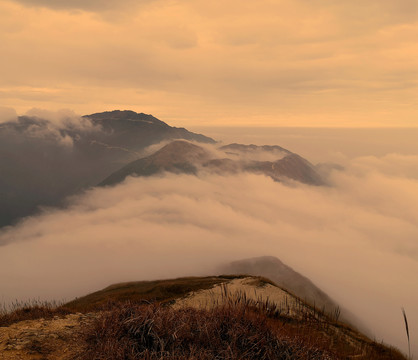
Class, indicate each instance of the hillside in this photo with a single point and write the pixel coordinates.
(228, 317)
(42, 161)
(183, 157)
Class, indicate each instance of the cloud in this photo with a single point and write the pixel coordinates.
(355, 239)
(55, 126)
(42, 126)
(395, 165)
(7, 114)
(63, 119)
(322, 63)
(91, 5)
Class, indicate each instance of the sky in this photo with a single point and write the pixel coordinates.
(198, 62)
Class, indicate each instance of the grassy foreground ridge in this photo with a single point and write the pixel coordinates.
(137, 321)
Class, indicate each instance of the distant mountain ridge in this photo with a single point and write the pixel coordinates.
(183, 157)
(138, 129)
(43, 161)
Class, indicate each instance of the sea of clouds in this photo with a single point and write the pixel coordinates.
(357, 238)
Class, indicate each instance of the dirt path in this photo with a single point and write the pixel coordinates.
(239, 287)
(42, 339)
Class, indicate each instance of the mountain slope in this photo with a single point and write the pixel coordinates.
(138, 130)
(183, 157)
(42, 161)
(235, 317)
(176, 157)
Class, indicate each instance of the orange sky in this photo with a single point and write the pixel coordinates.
(200, 62)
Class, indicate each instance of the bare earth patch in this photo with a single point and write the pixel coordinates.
(252, 288)
(42, 339)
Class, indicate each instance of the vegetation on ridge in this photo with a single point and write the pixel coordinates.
(239, 329)
(132, 321)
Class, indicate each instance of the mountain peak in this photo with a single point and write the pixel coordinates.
(125, 115)
(52, 163)
(182, 156)
(178, 147)
(243, 148)
(180, 151)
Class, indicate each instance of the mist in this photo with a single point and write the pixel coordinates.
(323, 144)
(7, 114)
(356, 239)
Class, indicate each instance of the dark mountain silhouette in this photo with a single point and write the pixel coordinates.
(176, 157)
(136, 131)
(42, 162)
(183, 157)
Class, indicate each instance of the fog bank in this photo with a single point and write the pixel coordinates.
(323, 144)
(356, 239)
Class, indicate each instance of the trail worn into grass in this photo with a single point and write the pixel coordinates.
(42, 339)
(251, 287)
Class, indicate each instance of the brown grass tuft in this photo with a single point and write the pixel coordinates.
(239, 329)
(31, 310)
(227, 332)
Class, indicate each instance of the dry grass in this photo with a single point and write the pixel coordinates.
(144, 291)
(238, 329)
(145, 327)
(155, 332)
(164, 291)
(31, 310)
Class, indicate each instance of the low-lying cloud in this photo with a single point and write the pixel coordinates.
(56, 127)
(7, 114)
(356, 239)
